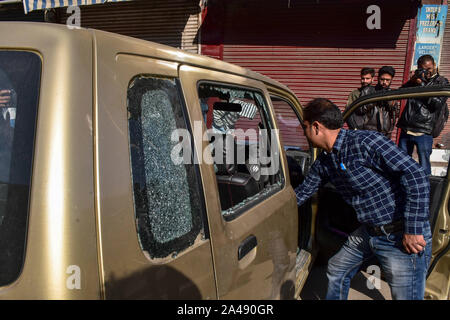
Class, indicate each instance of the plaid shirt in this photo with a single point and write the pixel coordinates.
(380, 181)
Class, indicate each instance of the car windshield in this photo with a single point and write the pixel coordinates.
(19, 90)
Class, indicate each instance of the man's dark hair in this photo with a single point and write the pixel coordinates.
(424, 58)
(325, 112)
(386, 69)
(370, 71)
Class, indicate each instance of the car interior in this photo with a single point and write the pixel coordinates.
(234, 119)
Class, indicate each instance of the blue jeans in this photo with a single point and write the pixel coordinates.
(405, 273)
(424, 146)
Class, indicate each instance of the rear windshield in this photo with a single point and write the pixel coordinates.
(19, 89)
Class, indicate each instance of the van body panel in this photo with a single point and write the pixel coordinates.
(128, 272)
(59, 263)
(82, 225)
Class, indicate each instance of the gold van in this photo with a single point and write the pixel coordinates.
(109, 186)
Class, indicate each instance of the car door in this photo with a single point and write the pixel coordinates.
(152, 225)
(438, 278)
(253, 233)
(300, 156)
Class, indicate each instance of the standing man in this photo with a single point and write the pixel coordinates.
(356, 120)
(380, 116)
(389, 192)
(367, 75)
(419, 117)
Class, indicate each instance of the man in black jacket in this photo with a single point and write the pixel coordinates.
(380, 116)
(418, 119)
(356, 120)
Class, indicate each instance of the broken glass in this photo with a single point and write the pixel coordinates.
(167, 197)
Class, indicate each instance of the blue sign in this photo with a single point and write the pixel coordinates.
(432, 49)
(430, 31)
(431, 23)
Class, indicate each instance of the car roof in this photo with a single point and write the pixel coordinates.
(140, 47)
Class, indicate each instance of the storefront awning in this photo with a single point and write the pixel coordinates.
(30, 5)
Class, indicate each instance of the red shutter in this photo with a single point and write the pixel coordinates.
(444, 65)
(316, 49)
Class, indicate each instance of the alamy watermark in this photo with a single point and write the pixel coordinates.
(74, 20)
(73, 281)
(374, 20)
(374, 280)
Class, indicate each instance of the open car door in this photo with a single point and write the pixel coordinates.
(332, 229)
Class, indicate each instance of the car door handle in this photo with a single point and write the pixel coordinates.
(246, 246)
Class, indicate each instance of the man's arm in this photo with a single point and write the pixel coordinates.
(366, 108)
(384, 155)
(312, 182)
(353, 96)
(436, 103)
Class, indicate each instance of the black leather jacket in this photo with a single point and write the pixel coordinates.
(380, 116)
(419, 114)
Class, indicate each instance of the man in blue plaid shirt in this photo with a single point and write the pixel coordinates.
(390, 193)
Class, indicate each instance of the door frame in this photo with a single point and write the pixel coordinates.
(272, 221)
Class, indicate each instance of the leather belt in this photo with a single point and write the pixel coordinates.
(376, 231)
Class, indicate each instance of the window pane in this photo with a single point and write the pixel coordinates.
(19, 91)
(167, 197)
(246, 157)
(294, 140)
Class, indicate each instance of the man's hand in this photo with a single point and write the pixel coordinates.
(413, 243)
(5, 97)
(415, 80)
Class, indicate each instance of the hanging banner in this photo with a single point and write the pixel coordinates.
(430, 31)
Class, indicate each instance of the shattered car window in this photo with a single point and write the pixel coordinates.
(166, 194)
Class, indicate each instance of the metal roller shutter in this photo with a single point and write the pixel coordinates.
(171, 22)
(316, 49)
(14, 12)
(444, 70)
(444, 65)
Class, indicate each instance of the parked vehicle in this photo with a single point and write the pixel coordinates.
(110, 189)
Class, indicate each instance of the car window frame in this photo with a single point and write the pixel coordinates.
(299, 117)
(398, 94)
(401, 94)
(236, 213)
(203, 229)
(21, 255)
